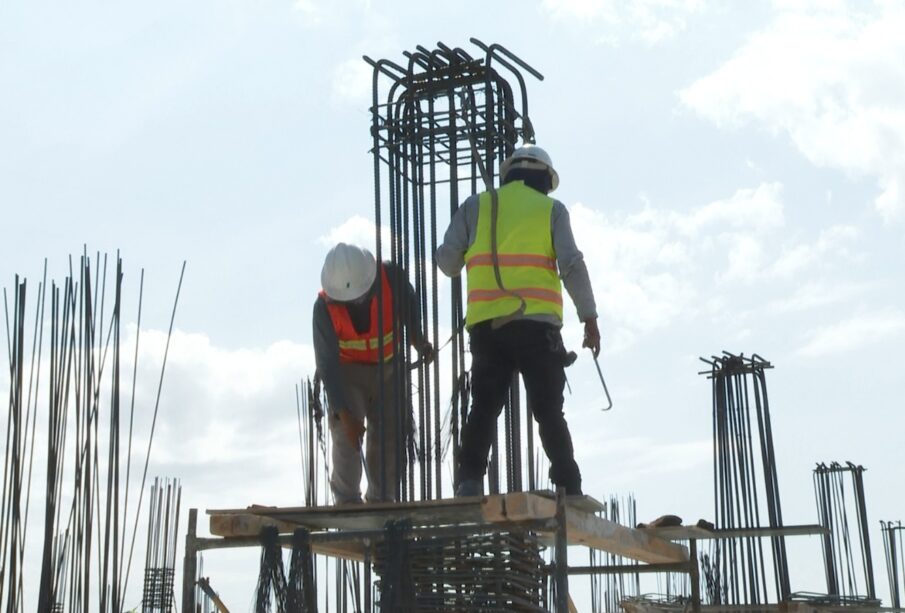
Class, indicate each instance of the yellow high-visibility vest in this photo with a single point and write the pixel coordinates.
(525, 255)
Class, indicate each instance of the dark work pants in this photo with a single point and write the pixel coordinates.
(535, 350)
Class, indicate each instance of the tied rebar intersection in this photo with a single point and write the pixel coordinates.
(157, 590)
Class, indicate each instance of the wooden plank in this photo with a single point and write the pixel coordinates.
(583, 527)
(246, 524)
(347, 550)
(492, 509)
(587, 529)
(680, 533)
(586, 503)
(447, 511)
(371, 516)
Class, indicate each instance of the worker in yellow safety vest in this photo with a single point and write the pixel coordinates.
(517, 247)
(350, 339)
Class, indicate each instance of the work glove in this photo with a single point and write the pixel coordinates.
(353, 427)
(591, 336)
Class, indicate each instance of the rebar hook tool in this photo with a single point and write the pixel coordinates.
(603, 383)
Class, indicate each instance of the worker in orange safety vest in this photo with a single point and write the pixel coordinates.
(350, 339)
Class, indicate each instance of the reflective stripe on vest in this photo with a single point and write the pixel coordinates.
(525, 255)
(364, 348)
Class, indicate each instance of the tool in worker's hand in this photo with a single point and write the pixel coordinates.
(603, 382)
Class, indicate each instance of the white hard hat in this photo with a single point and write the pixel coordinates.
(348, 272)
(531, 157)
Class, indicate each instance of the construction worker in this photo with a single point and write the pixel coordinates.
(349, 340)
(514, 310)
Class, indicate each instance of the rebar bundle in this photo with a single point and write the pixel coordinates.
(608, 590)
(270, 594)
(204, 601)
(745, 484)
(278, 593)
(894, 548)
(849, 568)
(314, 444)
(84, 557)
(160, 553)
(494, 571)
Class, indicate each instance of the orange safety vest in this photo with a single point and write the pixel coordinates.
(364, 348)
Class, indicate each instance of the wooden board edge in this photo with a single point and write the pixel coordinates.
(246, 524)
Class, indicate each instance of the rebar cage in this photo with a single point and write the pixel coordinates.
(445, 122)
(441, 124)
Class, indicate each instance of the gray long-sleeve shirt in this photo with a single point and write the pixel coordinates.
(572, 269)
(326, 343)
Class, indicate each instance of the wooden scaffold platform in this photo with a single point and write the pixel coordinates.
(353, 532)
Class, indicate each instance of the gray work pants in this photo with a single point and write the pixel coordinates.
(361, 389)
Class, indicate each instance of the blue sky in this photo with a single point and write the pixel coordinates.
(735, 174)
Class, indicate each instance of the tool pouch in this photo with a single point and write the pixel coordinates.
(558, 349)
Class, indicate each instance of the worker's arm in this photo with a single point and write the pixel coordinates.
(458, 238)
(574, 274)
(326, 355)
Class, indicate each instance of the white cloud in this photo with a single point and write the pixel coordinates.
(830, 77)
(632, 263)
(353, 78)
(757, 209)
(645, 267)
(855, 332)
(640, 457)
(833, 240)
(312, 10)
(652, 267)
(319, 12)
(746, 258)
(357, 230)
(817, 294)
(220, 404)
(650, 21)
(353, 81)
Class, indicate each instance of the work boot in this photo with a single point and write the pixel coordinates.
(470, 487)
(574, 490)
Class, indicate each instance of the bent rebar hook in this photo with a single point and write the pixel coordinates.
(603, 382)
